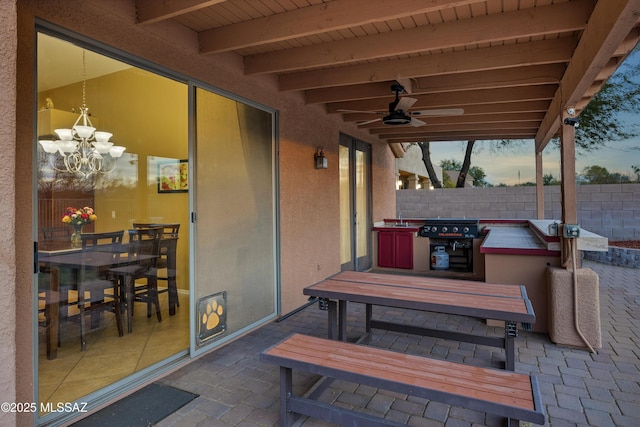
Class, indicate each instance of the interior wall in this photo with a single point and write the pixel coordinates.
(147, 114)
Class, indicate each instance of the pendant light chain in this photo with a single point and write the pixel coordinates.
(84, 79)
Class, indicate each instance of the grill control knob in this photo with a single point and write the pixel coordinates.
(466, 229)
(444, 229)
(454, 229)
(434, 228)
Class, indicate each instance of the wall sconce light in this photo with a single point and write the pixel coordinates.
(321, 160)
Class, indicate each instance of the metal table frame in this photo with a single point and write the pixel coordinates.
(423, 294)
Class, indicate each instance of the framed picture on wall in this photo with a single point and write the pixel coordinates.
(173, 176)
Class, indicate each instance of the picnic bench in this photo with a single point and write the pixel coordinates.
(503, 393)
(508, 303)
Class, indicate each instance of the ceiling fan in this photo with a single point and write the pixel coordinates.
(398, 113)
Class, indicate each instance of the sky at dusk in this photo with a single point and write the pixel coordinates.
(517, 165)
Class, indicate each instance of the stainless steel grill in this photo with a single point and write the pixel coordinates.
(456, 236)
(450, 228)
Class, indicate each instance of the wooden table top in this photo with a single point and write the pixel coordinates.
(438, 295)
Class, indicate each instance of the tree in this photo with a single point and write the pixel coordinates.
(600, 121)
(450, 165)
(426, 159)
(462, 176)
(476, 172)
(549, 179)
(479, 177)
(600, 175)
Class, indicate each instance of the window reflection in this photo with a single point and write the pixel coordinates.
(148, 114)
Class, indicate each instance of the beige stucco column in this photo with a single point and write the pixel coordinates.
(8, 74)
(412, 182)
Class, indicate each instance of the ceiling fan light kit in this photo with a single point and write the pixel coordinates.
(396, 118)
(399, 113)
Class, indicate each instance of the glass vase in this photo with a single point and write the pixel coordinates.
(76, 239)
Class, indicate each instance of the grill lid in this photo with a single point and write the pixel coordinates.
(450, 228)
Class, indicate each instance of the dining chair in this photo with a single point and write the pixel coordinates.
(44, 310)
(56, 233)
(167, 260)
(143, 255)
(94, 284)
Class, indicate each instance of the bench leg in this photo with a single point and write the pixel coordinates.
(342, 321)
(332, 314)
(286, 388)
(367, 319)
(510, 333)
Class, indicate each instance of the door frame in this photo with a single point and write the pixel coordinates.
(364, 262)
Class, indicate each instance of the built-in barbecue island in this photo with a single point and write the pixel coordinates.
(518, 252)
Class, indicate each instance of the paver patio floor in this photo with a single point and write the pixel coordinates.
(578, 388)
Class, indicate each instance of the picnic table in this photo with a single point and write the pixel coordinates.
(508, 303)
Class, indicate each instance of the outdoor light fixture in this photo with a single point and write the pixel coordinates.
(572, 121)
(321, 160)
(83, 150)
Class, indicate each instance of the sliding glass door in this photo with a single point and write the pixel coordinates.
(80, 350)
(234, 214)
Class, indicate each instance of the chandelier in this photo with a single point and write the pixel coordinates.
(83, 150)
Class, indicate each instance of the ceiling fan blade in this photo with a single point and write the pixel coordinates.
(439, 112)
(405, 103)
(417, 123)
(359, 111)
(368, 122)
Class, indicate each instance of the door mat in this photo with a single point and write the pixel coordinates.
(144, 408)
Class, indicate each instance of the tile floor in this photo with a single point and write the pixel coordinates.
(74, 373)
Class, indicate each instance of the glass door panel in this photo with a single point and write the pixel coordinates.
(346, 253)
(235, 244)
(355, 202)
(80, 348)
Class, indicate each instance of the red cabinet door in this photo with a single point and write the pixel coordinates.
(386, 249)
(404, 250)
(395, 249)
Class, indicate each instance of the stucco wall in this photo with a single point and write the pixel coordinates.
(8, 350)
(611, 210)
(308, 198)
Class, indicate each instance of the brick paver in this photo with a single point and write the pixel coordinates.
(578, 388)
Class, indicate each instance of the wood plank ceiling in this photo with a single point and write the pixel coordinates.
(512, 66)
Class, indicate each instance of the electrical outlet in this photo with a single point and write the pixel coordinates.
(571, 231)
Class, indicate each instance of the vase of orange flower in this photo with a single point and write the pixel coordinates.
(78, 218)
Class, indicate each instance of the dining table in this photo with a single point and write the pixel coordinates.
(502, 302)
(95, 258)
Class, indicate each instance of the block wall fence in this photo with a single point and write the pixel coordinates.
(610, 210)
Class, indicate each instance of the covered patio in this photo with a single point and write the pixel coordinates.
(473, 69)
(379, 73)
(578, 388)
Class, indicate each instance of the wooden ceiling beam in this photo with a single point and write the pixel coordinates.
(152, 11)
(490, 58)
(472, 110)
(521, 24)
(497, 135)
(316, 19)
(609, 26)
(510, 77)
(447, 128)
(471, 119)
(452, 99)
